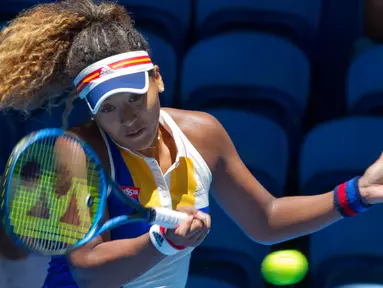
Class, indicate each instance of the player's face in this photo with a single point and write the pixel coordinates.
(132, 119)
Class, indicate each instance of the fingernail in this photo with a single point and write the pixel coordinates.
(200, 215)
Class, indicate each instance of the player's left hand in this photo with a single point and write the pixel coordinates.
(371, 183)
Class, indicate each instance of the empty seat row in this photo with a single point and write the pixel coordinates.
(261, 72)
(172, 20)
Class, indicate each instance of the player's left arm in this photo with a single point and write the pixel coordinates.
(264, 218)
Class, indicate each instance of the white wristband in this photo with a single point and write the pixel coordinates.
(159, 241)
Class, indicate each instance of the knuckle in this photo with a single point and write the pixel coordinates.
(187, 209)
(179, 234)
(198, 223)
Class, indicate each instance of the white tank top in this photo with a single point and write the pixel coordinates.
(186, 183)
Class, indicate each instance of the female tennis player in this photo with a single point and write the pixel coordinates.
(162, 157)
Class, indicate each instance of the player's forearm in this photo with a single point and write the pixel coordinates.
(114, 263)
(9, 249)
(291, 217)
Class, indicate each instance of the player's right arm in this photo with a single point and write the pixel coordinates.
(96, 264)
(103, 263)
(8, 248)
(100, 262)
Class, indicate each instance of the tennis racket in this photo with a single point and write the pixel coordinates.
(54, 192)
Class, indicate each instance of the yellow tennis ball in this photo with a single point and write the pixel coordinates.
(285, 267)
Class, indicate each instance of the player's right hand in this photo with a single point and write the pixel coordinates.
(192, 231)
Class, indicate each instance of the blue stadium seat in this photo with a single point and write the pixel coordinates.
(164, 56)
(360, 285)
(349, 251)
(265, 152)
(362, 45)
(228, 268)
(196, 281)
(255, 71)
(337, 150)
(364, 85)
(297, 20)
(169, 18)
(16, 6)
(266, 155)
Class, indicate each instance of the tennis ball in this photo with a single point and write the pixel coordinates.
(285, 267)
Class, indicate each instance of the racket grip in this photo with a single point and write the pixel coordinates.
(168, 218)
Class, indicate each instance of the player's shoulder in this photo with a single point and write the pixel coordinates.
(203, 130)
(86, 130)
(90, 133)
(195, 122)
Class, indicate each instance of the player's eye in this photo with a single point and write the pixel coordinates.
(135, 98)
(107, 108)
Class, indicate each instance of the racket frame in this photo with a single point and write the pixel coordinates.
(20, 147)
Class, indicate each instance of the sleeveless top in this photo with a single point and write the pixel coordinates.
(186, 183)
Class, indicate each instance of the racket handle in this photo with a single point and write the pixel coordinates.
(168, 218)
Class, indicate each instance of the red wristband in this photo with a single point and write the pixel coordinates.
(178, 247)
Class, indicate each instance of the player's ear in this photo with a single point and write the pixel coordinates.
(158, 79)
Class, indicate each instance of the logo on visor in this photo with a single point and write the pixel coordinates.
(131, 191)
(104, 71)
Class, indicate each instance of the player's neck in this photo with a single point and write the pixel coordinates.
(153, 150)
(163, 149)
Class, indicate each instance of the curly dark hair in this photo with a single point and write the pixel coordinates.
(46, 47)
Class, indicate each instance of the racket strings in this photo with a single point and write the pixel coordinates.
(53, 206)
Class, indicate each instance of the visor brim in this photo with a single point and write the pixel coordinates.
(137, 83)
